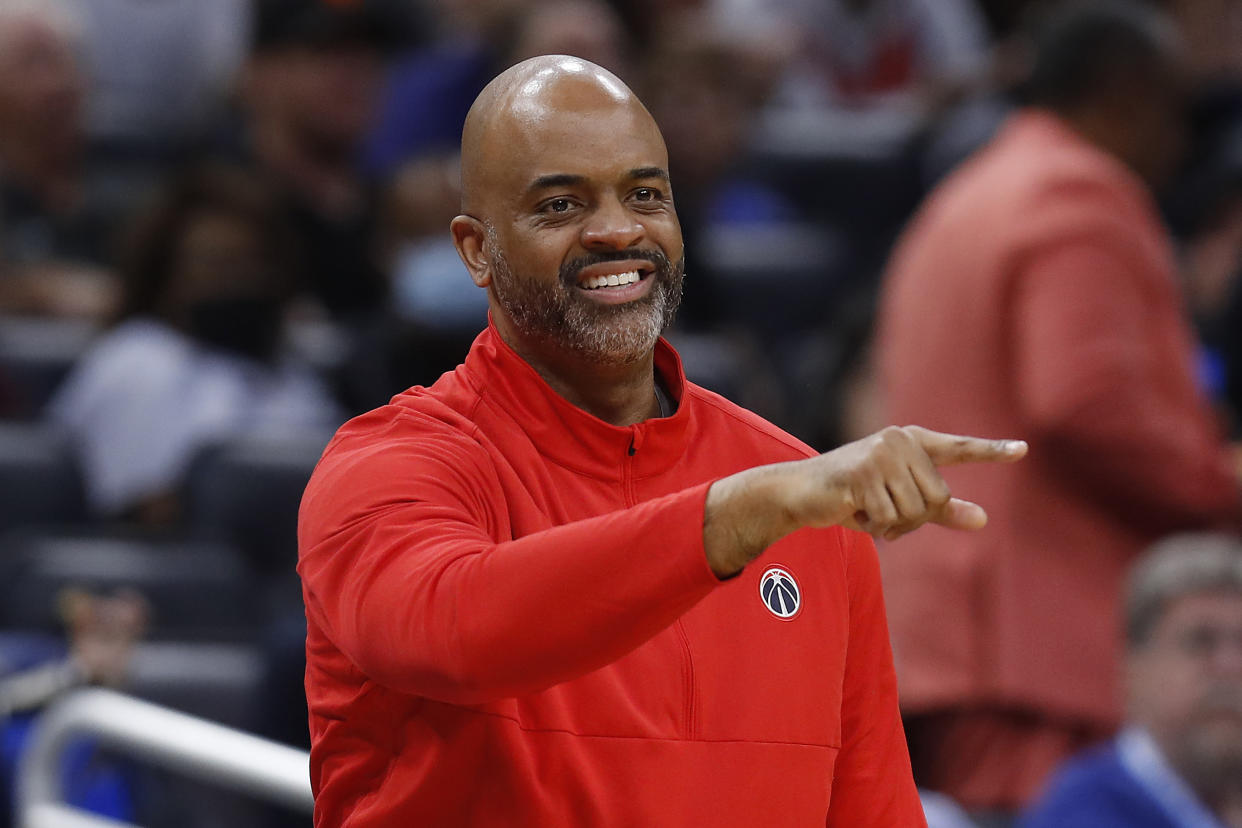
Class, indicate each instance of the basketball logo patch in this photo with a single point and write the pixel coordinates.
(780, 593)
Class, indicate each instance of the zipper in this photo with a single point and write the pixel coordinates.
(689, 697)
(691, 730)
(627, 466)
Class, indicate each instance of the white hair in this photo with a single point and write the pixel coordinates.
(63, 16)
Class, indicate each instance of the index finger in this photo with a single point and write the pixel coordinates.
(950, 449)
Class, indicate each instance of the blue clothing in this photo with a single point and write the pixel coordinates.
(425, 105)
(1126, 784)
(92, 781)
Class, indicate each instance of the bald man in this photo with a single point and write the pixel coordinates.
(564, 586)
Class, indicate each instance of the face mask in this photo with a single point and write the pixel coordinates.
(248, 326)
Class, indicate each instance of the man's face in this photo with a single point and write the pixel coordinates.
(40, 82)
(583, 243)
(1185, 685)
(329, 94)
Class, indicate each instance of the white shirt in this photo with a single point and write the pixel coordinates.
(146, 399)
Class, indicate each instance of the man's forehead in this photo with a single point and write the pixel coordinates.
(598, 144)
(554, 115)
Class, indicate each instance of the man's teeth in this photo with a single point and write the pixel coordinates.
(614, 280)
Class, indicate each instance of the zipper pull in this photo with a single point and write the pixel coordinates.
(636, 441)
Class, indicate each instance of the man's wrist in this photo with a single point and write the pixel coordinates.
(744, 514)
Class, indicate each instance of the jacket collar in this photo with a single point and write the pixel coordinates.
(570, 436)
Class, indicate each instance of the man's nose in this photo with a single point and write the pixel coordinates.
(612, 227)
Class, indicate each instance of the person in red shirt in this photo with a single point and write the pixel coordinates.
(1048, 250)
(535, 590)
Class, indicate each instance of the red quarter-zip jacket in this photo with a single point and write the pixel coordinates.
(512, 623)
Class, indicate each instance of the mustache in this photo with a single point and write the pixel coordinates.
(571, 269)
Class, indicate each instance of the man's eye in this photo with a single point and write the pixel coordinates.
(646, 194)
(559, 205)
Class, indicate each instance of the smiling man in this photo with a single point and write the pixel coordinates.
(564, 586)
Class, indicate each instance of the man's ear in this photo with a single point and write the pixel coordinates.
(469, 237)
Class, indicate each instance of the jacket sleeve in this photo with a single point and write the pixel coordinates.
(872, 783)
(402, 572)
(1093, 380)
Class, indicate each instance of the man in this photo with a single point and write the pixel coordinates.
(527, 587)
(57, 213)
(1047, 254)
(1178, 763)
(311, 90)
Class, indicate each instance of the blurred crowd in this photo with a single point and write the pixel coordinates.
(224, 231)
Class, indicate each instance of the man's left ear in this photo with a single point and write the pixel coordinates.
(469, 237)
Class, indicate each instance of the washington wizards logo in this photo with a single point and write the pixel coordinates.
(780, 593)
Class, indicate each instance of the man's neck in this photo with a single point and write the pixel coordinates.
(620, 394)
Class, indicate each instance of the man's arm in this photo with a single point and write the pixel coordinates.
(1088, 378)
(403, 575)
(886, 484)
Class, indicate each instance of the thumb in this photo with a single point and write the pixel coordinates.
(962, 514)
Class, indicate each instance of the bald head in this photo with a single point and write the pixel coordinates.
(517, 111)
(568, 216)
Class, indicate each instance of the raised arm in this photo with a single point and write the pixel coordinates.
(407, 570)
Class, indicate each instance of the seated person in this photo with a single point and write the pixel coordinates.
(198, 355)
(102, 631)
(1178, 762)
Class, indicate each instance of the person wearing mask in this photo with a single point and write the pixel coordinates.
(197, 354)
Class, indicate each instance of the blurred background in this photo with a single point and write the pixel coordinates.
(223, 231)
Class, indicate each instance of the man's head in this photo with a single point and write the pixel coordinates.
(41, 83)
(213, 256)
(317, 67)
(568, 217)
(1116, 70)
(1184, 654)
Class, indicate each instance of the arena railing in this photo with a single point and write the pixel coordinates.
(167, 738)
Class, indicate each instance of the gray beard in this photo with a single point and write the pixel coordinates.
(602, 334)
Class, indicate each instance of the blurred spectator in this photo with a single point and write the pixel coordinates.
(703, 85)
(588, 29)
(439, 307)
(52, 226)
(159, 72)
(102, 633)
(1213, 33)
(1039, 283)
(311, 89)
(1178, 762)
(869, 52)
(430, 89)
(197, 354)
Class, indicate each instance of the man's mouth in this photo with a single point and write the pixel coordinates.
(618, 275)
(611, 280)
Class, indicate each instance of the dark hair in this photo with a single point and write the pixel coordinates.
(386, 26)
(150, 246)
(1080, 51)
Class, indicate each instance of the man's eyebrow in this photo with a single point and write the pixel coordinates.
(649, 172)
(545, 182)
